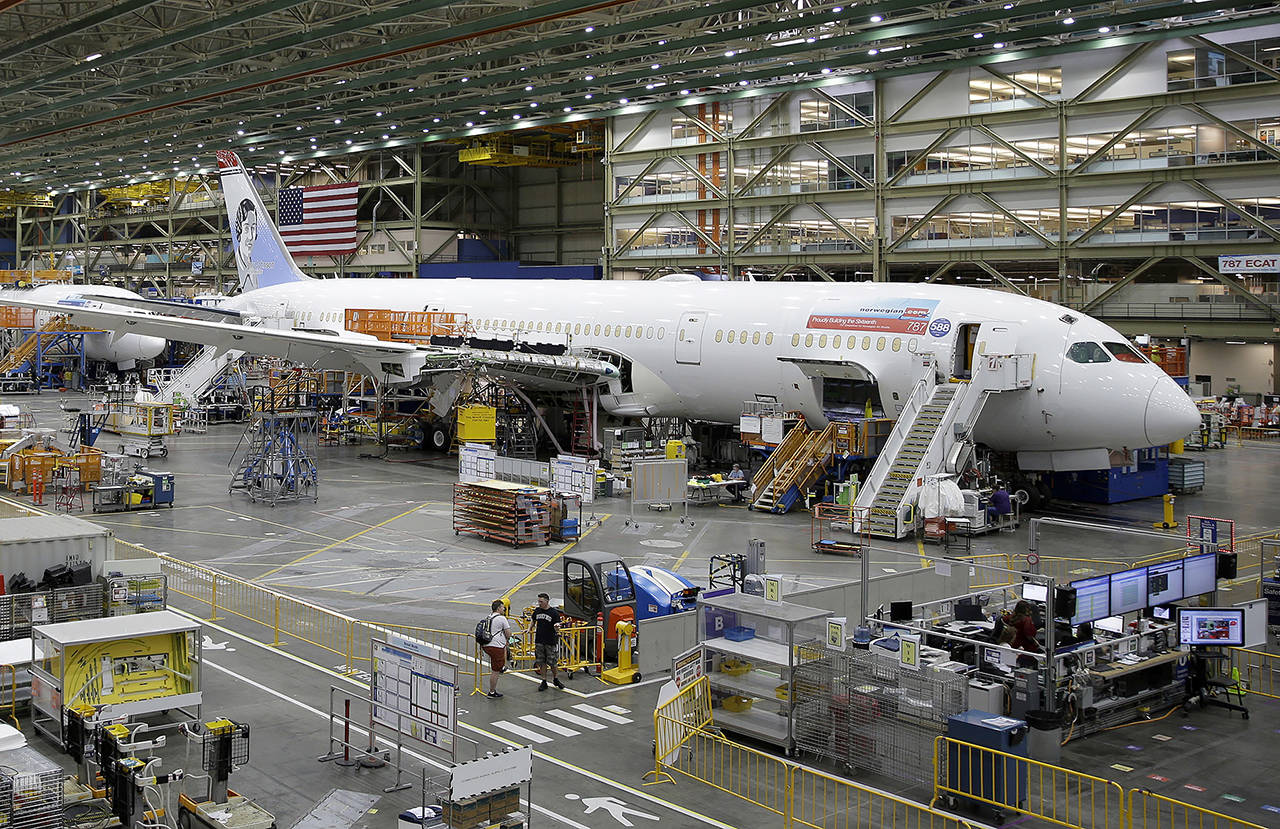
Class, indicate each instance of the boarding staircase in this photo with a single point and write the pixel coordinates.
(190, 383)
(799, 461)
(933, 435)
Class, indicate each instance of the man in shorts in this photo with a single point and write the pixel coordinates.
(546, 640)
(500, 630)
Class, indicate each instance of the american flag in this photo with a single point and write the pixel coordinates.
(319, 221)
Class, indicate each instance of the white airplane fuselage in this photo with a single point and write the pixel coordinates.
(122, 350)
(686, 363)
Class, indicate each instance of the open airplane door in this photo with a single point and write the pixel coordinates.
(997, 338)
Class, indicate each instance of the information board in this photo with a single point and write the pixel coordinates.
(476, 462)
(574, 475)
(487, 774)
(659, 481)
(415, 692)
(687, 667)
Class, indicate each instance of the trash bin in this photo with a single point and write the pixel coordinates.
(1044, 742)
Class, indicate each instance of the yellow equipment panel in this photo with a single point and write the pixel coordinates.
(478, 424)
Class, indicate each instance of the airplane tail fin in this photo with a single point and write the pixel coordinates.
(262, 259)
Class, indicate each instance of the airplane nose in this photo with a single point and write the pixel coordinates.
(1170, 413)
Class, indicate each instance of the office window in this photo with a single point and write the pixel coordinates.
(987, 89)
(1207, 66)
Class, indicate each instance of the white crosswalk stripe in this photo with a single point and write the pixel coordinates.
(554, 728)
(607, 716)
(521, 732)
(576, 720)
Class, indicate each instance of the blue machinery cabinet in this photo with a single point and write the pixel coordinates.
(991, 780)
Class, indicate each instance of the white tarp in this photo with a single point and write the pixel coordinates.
(940, 496)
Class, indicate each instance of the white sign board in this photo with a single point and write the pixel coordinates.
(489, 774)
(476, 462)
(771, 429)
(573, 475)
(749, 425)
(772, 589)
(909, 652)
(687, 667)
(836, 639)
(1254, 263)
(415, 693)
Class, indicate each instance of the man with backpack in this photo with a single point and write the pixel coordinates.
(493, 634)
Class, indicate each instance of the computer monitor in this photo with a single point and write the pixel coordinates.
(1128, 591)
(1033, 592)
(1093, 599)
(1160, 612)
(1199, 575)
(969, 613)
(1211, 626)
(1164, 583)
(1111, 624)
(899, 611)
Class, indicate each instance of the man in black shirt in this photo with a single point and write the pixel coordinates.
(546, 639)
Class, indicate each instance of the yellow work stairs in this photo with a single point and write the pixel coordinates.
(906, 464)
(799, 460)
(26, 350)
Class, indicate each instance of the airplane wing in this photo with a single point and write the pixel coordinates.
(164, 306)
(400, 363)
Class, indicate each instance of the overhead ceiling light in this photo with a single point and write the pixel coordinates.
(1068, 21)
(1104, 29)
(1235, 342)
(589, 29)
(93, 57)
(875, 18)
(997, 45)
(977, 35)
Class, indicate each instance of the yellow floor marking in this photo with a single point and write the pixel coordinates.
(301, 559)
(552, 560)
(680, 561)
(924, 562)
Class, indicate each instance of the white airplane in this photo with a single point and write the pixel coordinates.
(699, 349)
(124, 351)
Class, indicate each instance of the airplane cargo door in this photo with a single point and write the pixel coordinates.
(689, 337)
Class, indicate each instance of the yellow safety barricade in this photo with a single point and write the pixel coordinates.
(1259, 671)
(1148, 810)
(579, 646)
(822, 801)
(1061, 796)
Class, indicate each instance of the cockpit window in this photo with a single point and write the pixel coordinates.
(1124, 353)
(1087, 353)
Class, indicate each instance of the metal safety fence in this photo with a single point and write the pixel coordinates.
(1259, 671)
(966, 773)
(1148, 810)
(686, 744)
(288, 618)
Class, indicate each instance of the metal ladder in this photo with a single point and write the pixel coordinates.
(906, 463)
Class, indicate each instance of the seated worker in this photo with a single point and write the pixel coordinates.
(738, 483)
(999, 504)
(1024, 628)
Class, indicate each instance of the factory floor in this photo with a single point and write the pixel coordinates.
(378, 544)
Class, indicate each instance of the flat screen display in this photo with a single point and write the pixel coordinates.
(1211, 626)
(1093, 599)
(1164, 583)
(1199, 575)
(1035, 592)
(1128, 591)
(1160, 612)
